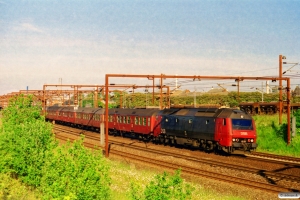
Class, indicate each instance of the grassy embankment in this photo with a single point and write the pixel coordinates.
(272, 138)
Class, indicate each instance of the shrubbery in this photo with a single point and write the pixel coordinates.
(74, 171)
(297, 115)
(164, 187)
(25, 141)
(29, 152)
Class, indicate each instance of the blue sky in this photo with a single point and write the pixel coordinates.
(81, 41)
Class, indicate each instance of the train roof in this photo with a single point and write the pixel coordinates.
(60, 108)
(90, 110)
(190, 112)
(136, 112)
(207, 112)
(232, 113)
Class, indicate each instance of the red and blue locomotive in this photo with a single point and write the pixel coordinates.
(205, 128)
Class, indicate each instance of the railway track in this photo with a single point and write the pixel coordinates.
(271, 177)
(269, 156)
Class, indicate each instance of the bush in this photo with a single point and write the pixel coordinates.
(29, 152)
(25, 141)
(164, 187)
(297, 115)
(76, 173)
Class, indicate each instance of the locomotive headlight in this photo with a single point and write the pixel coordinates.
(252, 140)
(233, 139)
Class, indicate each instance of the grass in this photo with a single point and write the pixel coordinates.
(271, 137)
(13, 189)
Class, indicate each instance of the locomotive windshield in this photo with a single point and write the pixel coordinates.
(242, 124)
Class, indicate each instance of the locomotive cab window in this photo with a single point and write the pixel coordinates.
(242, 124)
(207, 121)
(190, 121)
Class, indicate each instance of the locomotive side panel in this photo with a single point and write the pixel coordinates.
(223, 133)
(203, 128)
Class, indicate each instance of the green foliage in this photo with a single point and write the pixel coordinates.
(272, 137)
(29, 152)
(231, 99)
(164, 187)
(25, 141)
(21, 110)
(297, 115)
(74, 171)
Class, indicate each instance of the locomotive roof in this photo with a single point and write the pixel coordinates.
(232, 113)
(191, 112)
(207, 112)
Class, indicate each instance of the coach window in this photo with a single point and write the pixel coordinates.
(124, 119)
(136, 120)
(148, 121)
(190, 121)
(207, 121)
(145, 121)
(128, 120)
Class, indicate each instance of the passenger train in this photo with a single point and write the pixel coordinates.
(204, 128)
